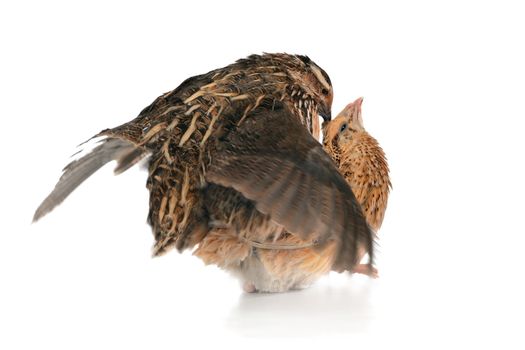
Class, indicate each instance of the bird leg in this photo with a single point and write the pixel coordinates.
(364, 269)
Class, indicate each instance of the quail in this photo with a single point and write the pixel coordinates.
(362, 162)
(233, 168)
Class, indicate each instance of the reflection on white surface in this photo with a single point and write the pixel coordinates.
(323, 309)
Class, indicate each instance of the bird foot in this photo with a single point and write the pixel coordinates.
(366, 269)
(249, 287)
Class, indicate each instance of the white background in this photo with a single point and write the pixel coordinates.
(444, 92)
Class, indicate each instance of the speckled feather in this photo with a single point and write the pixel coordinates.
(361, 161)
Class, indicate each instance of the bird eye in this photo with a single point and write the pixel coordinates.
(343, 127)
(324, 91)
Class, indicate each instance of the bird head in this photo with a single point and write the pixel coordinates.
(340, 132)
(320, 86)
(312, 92)
(295, 79)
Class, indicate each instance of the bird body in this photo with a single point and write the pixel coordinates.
(368, 176)
(233, 169)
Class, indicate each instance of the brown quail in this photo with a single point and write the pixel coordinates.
(362, 163)
(233, 168)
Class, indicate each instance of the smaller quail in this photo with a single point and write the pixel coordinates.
(362, 163)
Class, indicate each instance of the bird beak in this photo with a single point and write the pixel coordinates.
(358, 103)
(325, 112)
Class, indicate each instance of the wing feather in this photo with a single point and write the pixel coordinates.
(270, 159)
(124, 152)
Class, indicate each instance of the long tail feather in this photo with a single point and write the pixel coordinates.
(124, 152)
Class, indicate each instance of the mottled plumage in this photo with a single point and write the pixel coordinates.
(360, 160)
(233, 168)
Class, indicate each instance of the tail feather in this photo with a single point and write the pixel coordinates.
(124, 152)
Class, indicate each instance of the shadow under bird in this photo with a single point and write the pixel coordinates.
(232, 163)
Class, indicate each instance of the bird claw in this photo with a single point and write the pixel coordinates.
(249, 287)
(366, 269)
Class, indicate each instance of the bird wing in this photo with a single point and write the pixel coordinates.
(125, 152)
(272, 160)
